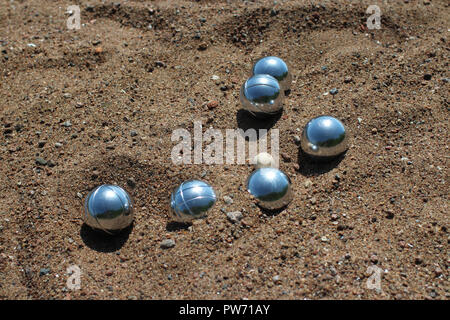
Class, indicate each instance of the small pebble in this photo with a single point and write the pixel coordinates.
(44, 271)
(308, 183)
(212, 105)
(109, 273)
(286, 157)
(203, 46)
(390, 214)
(235, 216)
(334, 91)
(131, 182)
(41, 161)
(228, 200)
(438, 271)
(160, 64)
(418, 260)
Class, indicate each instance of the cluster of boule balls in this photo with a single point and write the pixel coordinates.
(110, 208)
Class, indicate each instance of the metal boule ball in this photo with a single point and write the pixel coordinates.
(275, 67)
(324, 137)
(261, 95)
(271, 187)
(108, 208)
(191, 200)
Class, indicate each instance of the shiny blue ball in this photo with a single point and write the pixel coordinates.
(261, 95)
(108, 208)
(275, 67)
(271, 187)
(324, 137)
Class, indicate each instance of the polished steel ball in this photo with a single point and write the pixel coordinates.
(271, 187)
(261, 95)
(191, 200)
(108, 208)
(324, 137)
(275, 67)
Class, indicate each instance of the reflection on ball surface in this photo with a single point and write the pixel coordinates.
(324, 137)
(191, 200)
(271, 187)
(275, 67)
(261, 95)
(108, 208)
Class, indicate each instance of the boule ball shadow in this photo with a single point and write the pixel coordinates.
(108, 208)
(261, 96)
(270, 187)
(277, 68)
(324, 138)
(192, 200)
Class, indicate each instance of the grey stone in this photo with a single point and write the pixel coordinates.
(235, 216)
(167, 244)
(227, 200)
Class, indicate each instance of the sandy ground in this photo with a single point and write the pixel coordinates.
(146, 66)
